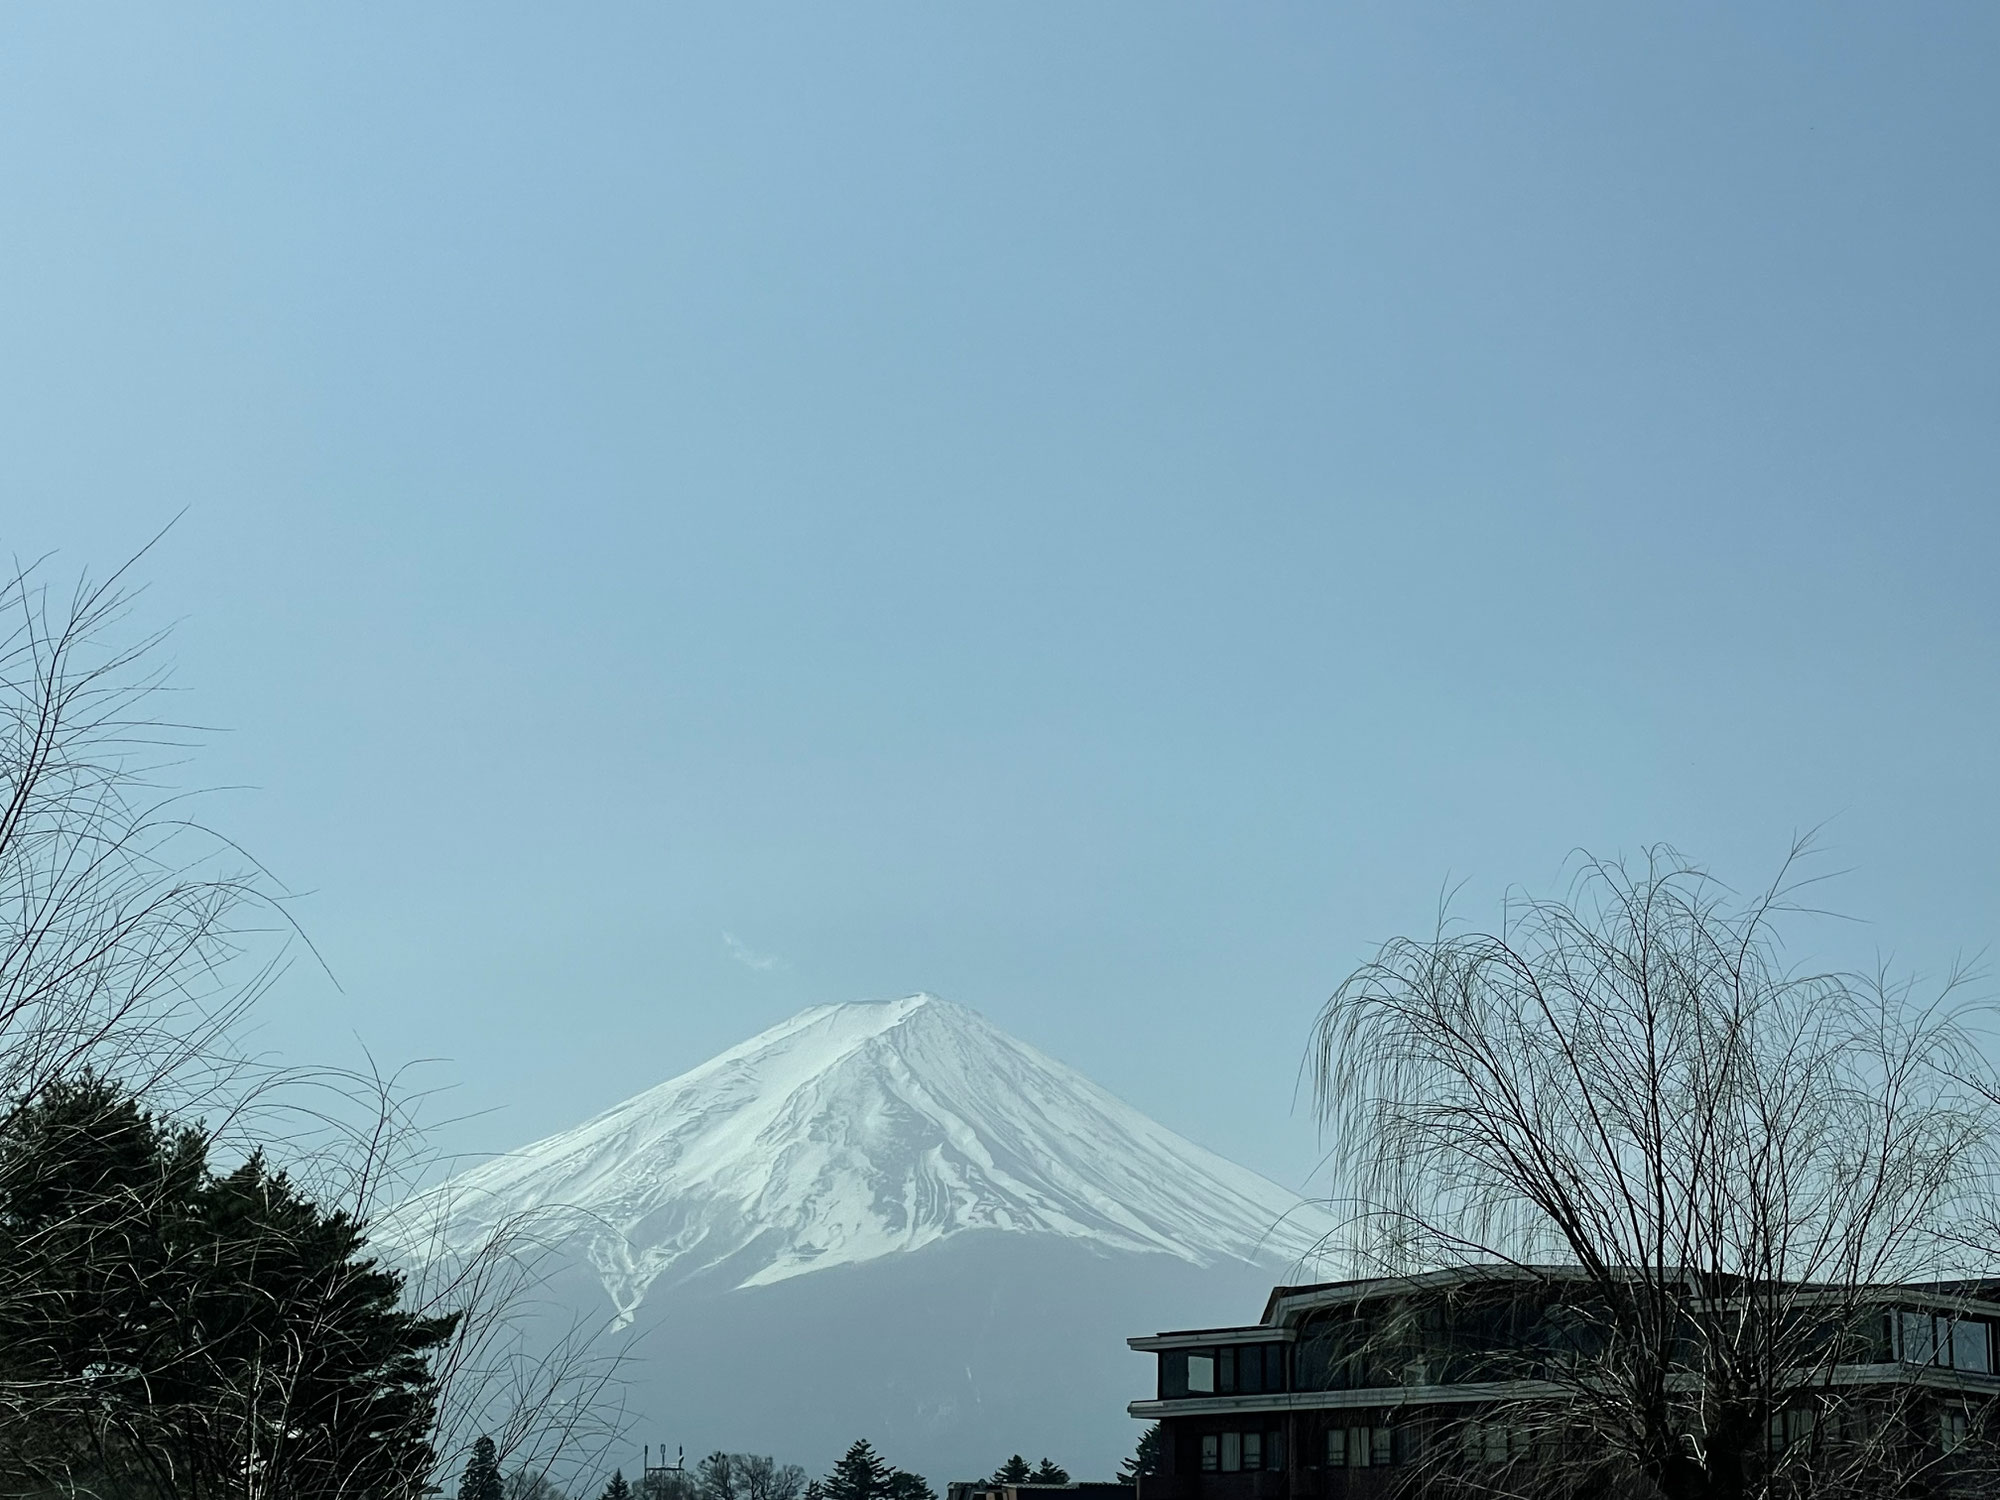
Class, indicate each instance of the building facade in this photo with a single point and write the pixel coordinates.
(1420, 1385)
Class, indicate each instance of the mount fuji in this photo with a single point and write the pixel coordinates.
(889, 1220)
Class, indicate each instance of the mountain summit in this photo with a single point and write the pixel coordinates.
(850, 1133)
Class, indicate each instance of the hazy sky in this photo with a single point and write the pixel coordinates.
(1097, 511)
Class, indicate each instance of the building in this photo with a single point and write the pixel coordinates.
(989, 1489)
(1388, 1386)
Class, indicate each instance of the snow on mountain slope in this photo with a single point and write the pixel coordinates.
(851, 1132)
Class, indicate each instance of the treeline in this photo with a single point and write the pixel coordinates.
(861, 1474)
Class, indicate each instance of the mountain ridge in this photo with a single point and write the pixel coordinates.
(850, 1132)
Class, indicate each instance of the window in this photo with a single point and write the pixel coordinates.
(1232, 1452)
(1956, 1343)
(1242, 1369)
(1793, 1428)
(1916, 1338)
(1492, 1442)
(1972, 1346)
(1952, 1428)
(1201, 1374)
(1250, 1369)
(1360, 1447)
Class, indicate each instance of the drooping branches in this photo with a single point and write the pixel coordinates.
(119, 912)
(1719, 1157)
(183, 1315)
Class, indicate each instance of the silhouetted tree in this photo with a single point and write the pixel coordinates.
(618, 1489)
(178, 1328)
(481, 1479)
(718, 1478)
(1145, 1457)
(526, 1484)
(1049, 1472)
(1722, 1156)
(1014, 1471)
(762, 1478)
(861, 1474)
(168, 1330)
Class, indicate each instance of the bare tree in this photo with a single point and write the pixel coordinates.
(763, 1478)
(132, 939)
(123, 919)
(1697, 1166)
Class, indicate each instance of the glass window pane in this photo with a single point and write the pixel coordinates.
(1226, 1373)
(1274, 1367)
(1201, 1374)
(1385, 1451)
(1360, 1448)
(1919, 1338)
(1952, 1428)
(1408, 1447)
(1336, 1447)
(1274, 1449)
(1250, 1370)
(1253, 1450)
(1232, 1452)
(1209, 1453)
(1971, 1346)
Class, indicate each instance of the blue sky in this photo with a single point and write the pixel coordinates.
(1097, 511)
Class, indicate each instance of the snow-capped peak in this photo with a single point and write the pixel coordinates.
(851, 1132)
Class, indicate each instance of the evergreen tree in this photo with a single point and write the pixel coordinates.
(903, 1485)
(1145, 1457)
(481, 1479)
(860, 1475)
(179, 1322)
(618, 1489)
(1048, 1472)
(1014, 1471)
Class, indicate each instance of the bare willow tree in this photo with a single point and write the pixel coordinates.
(122, 917)
(1705, 1164)
(172, 1325)
(539, 1380)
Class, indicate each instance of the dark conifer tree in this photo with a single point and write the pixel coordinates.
(903, 1485)
(1145, 1457)
(481, 1479)
(618, 1489)
(860, 1475)
(174, 1323)
(1014, 1471)
(1049, 1472)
